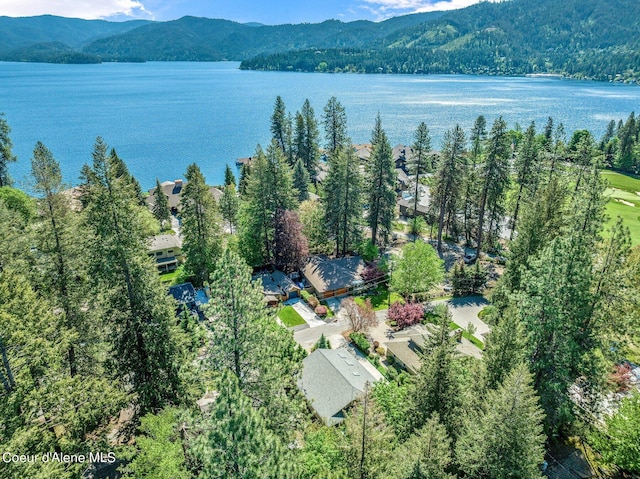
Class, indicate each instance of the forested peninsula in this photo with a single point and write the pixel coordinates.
(587, 39)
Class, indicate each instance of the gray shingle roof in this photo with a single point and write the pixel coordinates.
(331, 380)
(327, 274)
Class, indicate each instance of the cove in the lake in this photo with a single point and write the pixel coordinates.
(162, 116)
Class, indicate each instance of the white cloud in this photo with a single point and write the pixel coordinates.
(90, 10)
(388, 8)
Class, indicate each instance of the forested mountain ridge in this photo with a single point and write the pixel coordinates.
(24, 32)
(185, 39)
(584, 39)
(594, 39)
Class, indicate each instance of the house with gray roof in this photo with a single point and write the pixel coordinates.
(331, 277)
(332, 379)
(277, 286)
(173, 191)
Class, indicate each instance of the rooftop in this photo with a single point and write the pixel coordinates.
(161, 242)
(326, 274)
(331, 380)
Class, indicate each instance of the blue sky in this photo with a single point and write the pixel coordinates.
(268, 12)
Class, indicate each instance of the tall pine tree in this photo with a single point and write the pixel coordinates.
(200, 226)
(380, 177)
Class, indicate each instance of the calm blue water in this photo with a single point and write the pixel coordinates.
(162, 116)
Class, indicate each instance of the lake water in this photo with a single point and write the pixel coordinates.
(162, 116)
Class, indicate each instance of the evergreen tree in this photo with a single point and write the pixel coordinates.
(366, 441)
(161, 210)
(426, 454)
(312, 217)
(449, 175)
(380, 176)
(472, 183)
(59, 251)
(200, 226)
(527, 170)
(237, 442)
(627, 138)
(494, 177)
(279, 124)
(245, 172)
(120, 170)
(43, 408)
(418, 164)
(308, 148)
(246, 342)
(229, 206)
(301, 181)
(270, 188)
(335, 126)
(505, 348)
(343, 200)
(6, 155)
(160, 455)
(505, 440)
(437, 389)
(229, 177)
(139, 312)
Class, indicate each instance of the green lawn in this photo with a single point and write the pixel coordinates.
(465, 334)
(169, 277)
(380, 299)
(290, 317)
(624, 192)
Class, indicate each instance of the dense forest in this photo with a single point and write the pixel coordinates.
(185, 39)
(581, 39)
(590, 39)
(95, 356)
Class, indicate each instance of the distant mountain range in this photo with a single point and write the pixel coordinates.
(596, 39)
(55, 39)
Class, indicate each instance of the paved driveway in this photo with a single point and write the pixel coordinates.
(465, 310)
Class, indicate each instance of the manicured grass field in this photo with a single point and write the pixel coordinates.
(624, 192)
(379, 300)
(290, 317)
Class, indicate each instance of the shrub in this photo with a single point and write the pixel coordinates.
(323, 343)
(406, 314)
(361, 342)
(369, 251)
(321, 310)
(310, 299)
(381, 351)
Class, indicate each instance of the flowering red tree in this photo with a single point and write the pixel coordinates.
(291, 247)
(405, 314)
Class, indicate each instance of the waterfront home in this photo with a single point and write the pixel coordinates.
(172, 190)
(166, 250)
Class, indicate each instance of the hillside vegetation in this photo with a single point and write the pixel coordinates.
(593, 39)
